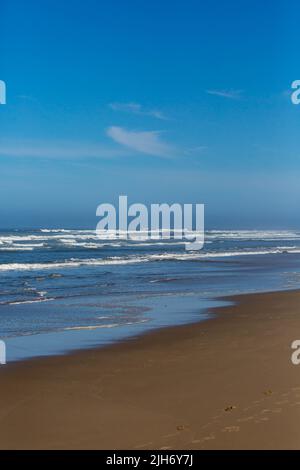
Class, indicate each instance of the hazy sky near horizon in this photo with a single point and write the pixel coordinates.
(165, 101)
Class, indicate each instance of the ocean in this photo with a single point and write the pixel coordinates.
(63, 290)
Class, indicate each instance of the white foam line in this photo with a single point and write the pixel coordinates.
(109, 325)
(21, 302)
(91, 327)
(74, 263)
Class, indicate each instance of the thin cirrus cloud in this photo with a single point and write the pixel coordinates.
(137, 108)
(230, 94)
(146, 142)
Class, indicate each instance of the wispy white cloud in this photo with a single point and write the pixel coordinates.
(124, 143)
(147, 142)
(137, 108)
(230, 94)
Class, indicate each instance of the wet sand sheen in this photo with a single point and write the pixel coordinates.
(224, 383)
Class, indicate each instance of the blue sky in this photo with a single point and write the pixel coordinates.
(165, 101)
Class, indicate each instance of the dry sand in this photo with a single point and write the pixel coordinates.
(227, 383)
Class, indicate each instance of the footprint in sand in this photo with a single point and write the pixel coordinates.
(180, 427)
(230, 408)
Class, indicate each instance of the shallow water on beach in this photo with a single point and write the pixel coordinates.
(62, 290)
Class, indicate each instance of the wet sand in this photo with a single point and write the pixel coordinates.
(227, 383)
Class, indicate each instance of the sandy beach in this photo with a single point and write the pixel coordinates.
(227, 383)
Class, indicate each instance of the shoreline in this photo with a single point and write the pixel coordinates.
(69, 341)
(207, 313)
(226, 382)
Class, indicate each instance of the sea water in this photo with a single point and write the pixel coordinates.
(62, 290)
